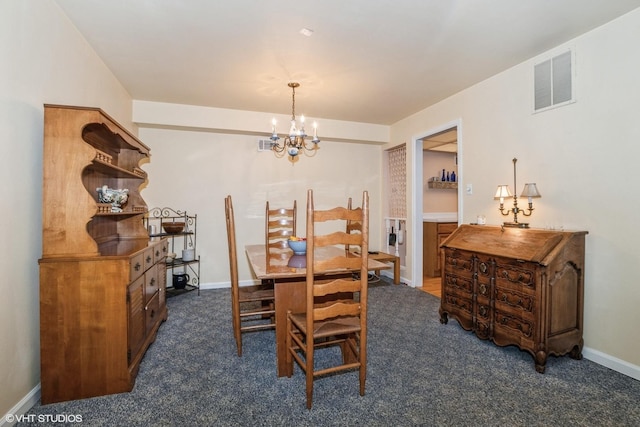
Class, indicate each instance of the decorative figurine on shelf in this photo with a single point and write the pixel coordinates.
(117, 198)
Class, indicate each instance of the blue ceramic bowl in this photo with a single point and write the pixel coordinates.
(299, 247)
(297, 261)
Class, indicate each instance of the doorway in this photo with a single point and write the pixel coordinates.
(448, 138)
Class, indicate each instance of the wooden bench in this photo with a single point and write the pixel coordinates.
(384, 257)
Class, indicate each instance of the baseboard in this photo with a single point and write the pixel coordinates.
(219, 285)
(389, 275)
(21, 408)
(611, 362)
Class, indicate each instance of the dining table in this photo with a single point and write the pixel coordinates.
(288, 273)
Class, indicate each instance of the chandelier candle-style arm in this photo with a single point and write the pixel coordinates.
(274, 134)
(294, 142)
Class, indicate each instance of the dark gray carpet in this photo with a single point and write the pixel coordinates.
(420, 373)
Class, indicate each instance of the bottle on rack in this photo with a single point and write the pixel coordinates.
(453, 176)
(444, 176)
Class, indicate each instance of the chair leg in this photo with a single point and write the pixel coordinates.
(309, 392)
(289, 357)
(362, 356)
(239, 342)
(237, 333)
(309, 368)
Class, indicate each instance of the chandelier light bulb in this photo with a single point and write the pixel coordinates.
(292, 129)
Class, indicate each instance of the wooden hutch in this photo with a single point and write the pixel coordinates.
(102, 280)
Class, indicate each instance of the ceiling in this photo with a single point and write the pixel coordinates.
(443, 141)
(365, 61)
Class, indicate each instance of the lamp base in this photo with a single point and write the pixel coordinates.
(516, 224)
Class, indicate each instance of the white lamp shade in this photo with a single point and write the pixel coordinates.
(502, 192)
(530, 190)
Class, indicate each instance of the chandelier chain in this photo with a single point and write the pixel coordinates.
(293, 102)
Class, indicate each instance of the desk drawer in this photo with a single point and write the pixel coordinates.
(516, 277)
(457, 285)
(458, 262)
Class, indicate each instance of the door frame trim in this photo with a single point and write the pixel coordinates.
(417, 244)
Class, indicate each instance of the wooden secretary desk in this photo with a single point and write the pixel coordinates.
(517, 286)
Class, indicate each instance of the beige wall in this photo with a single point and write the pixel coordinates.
(437, 200)
(582, 156)
(195, 170)
(43, 60)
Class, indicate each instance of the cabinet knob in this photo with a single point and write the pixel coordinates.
(137, 266)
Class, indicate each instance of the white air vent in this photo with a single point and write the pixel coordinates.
(553, 84)
(265, 144)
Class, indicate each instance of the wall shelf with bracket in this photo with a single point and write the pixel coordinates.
(442, 185)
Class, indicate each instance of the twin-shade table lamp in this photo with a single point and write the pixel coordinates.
(530, 191)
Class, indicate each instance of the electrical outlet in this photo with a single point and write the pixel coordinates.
(469, 189)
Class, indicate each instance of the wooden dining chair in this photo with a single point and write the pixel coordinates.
(336, 306)
(352, 227)
(280, 225)
(252, 307)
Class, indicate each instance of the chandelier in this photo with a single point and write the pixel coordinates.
(294, 142)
